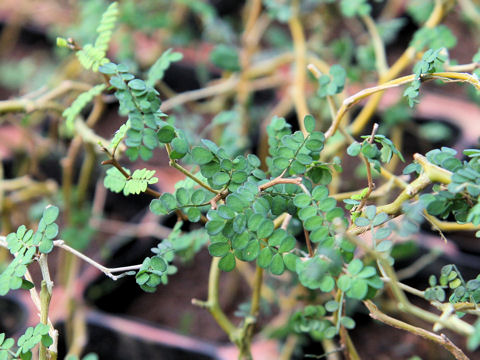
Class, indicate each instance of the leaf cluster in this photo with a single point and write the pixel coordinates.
(431, 61)
(451, 278)
(360, 282)
(333, 83)
(94, 55)
(145, 129)
(24, 245)
(135, 184)
(372, 153)
(26, 342)
(460, 198)
(80, 102)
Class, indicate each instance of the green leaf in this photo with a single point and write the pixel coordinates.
(198, 196)
(265, 258)
(380, 219)
(302, 200)
(46, 246)
(220, 178)
(254, 221)
(158, 264)
(344, 282)
(158, 207)
(227, 262)
(288, 244)
(290, 261)
(251, 251)
(352, 8)
(194, 214)
(370, 212)
(382, 233)
(201, 155)
(79, 104)
(309, 123)
(281, 163)
(358, 289)
(50, 214)
(367, 271)
(327, 284)
(384, 246)
(218, 249)
(319, 193)
(347, 322)
(320, 234)
(225, 57)
(313, 223)
(137, 84)
(180, 148)
(225, 212)
(253, 160)
(361, 221)
(215, 226)
(166, 134)
(265, 228)
(355, 266)
(277, 267)
(354, 149)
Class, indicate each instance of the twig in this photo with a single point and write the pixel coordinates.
(173, 163)
(107, 271)
(309, 244)
(280, 180)
(371, 185)
(223, 87)
(300, 50)
(439, 339)
(403, 61)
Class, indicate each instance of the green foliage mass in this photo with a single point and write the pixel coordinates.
(431, 62)
(25, 245)
(26, 342)
(225, 57)
(91, 56)
(145, 129)
(333, 83)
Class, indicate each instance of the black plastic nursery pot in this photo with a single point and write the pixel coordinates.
(13, 315)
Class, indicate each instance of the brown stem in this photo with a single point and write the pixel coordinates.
(309, 244)
(279, 180)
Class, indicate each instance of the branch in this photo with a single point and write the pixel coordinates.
(403, 61)
(439, 339)
(378, 46)
(280, 180)
(107, 271)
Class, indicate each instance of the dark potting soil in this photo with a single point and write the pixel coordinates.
(171, 305)
(110, 344)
